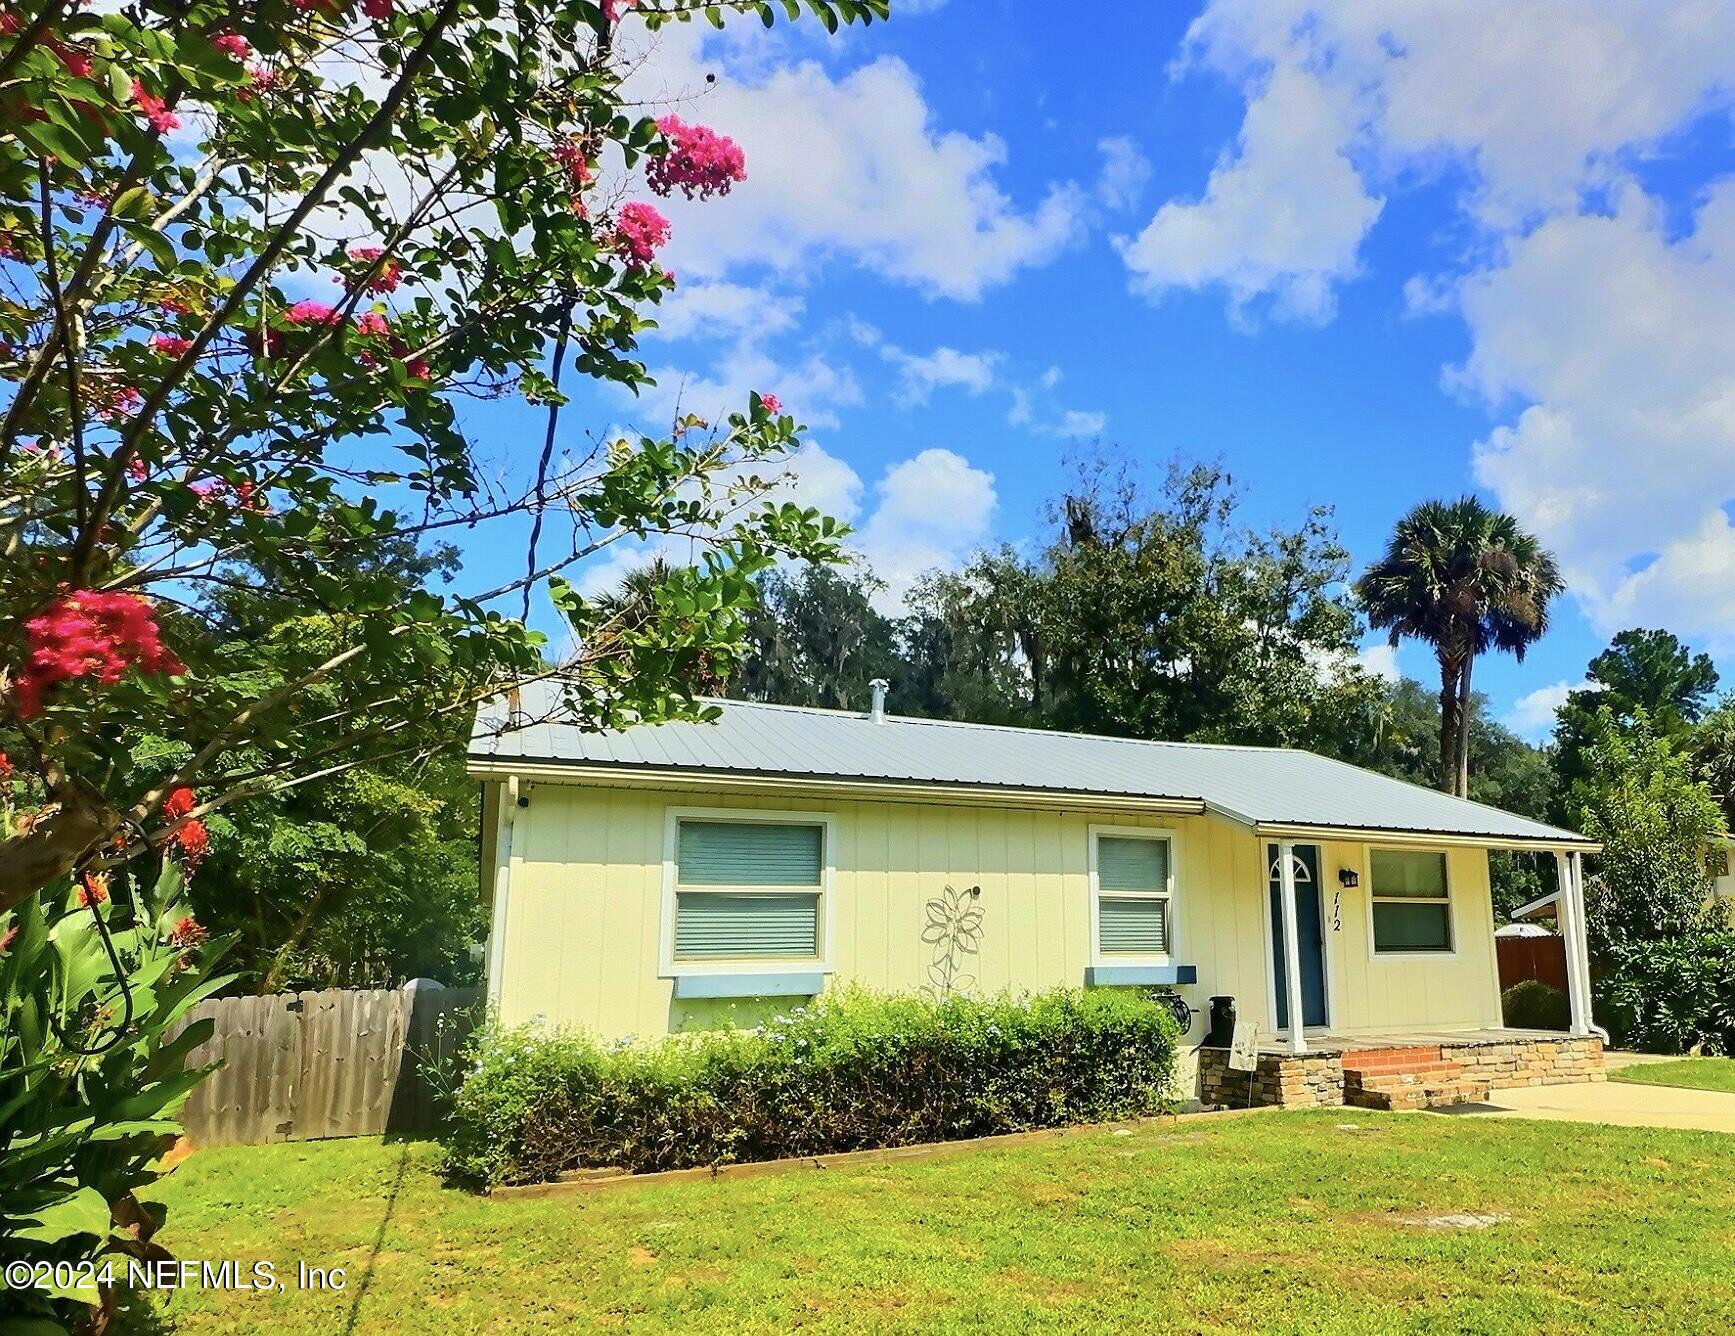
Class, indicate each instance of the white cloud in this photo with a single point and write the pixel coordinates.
(1125, 171)
(1613, 342)
(1531, 101)
(724, 310)
(851, 166)
(1076, 425)
(1281, 218)
(811, 388)
(919, 377)
(1381, 660)
(1037, 412)
(1599, 335)
(932, 510)
(1532, 714)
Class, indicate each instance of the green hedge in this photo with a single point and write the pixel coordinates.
(850, 1072)
(1670, 996)
(1531, 1004)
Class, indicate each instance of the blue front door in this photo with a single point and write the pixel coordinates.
(1309, 931)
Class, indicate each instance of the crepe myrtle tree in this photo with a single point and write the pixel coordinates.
(252, 255)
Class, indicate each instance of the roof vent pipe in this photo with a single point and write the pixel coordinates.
(878, 687)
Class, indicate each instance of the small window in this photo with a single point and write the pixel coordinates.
(1133, 894)
(748, 890)
(1411, 909)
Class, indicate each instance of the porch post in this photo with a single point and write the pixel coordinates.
(1572, 935)
(1582, 918)
(1291, 945)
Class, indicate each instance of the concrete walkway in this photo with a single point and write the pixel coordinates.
(1615, 1103)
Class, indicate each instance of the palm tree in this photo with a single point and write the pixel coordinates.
(1466, 579)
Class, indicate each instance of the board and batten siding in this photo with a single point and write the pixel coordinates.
(581, 933)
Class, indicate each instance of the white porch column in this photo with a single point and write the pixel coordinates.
(1291, 945)
(1572, 934)
(1582, 918)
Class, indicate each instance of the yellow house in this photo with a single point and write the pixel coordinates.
(660, 878)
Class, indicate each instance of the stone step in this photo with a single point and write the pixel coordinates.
(1430, 1095)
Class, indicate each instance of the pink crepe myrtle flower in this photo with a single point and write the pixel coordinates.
(772, 404)
(89, 633)
(615, 10)
(700, 162)
(260, 83)
(116, 402)
(377, 9)
(639, 231)
(373, 324)
(170, 345)
(573, 157)
(76, 59)
(155, 110)
(232, 44)
(137, 469)
(388, 277)
(310, 313)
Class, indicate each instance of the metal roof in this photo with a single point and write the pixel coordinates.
(1260, 786)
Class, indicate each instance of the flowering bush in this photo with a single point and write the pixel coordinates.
(180, 416)
(851, 1072)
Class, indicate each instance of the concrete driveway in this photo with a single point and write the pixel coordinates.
(1614, 1103)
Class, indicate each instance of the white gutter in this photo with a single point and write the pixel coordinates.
(1370, 835)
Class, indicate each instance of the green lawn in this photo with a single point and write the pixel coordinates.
(1694, 1073)
(1283, 1221)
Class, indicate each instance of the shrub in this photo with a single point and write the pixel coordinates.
(1531, 1004)
(90, 1082)
(850, 1072)
(1669, 996)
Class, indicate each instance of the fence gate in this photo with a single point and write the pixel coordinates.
(344, 1062)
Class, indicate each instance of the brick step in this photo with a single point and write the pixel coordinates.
(1385, 1057)
(1404, 1069)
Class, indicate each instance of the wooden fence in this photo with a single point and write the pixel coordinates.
(1523, 958)
(339, 1063)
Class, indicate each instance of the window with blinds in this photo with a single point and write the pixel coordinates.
(1411, 908)
(748, 890)
(1132, 895)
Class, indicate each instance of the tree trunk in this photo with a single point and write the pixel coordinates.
(272, 980)
(1466, 706)
(1449, 676)
(62, 834)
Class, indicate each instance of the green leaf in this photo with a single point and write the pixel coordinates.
(82, 1211)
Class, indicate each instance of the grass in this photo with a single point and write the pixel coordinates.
(1694, 1073)
(1280, 1221)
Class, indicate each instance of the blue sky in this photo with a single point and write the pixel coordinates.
(1361, 254)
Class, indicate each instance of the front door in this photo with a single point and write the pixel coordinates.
(1309, 931)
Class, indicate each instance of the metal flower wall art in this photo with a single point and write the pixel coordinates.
(954, 930)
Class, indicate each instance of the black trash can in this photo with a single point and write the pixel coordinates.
(1222, 1032)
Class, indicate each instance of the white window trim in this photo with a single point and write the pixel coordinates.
(1374, 953)
(1100, 959)
(670, 968)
